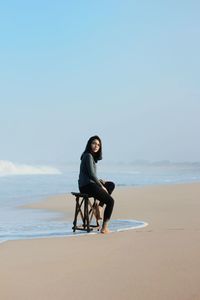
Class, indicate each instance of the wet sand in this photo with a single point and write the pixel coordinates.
(160, 261)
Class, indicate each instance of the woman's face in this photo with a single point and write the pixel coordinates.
(95, 146)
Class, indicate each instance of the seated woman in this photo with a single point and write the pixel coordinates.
(91, 185)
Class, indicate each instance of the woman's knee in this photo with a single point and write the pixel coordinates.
(111, 185)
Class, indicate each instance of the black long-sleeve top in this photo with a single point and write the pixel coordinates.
(87, 170)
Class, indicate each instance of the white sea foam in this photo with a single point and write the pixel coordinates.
(9, 168)
(59, 229)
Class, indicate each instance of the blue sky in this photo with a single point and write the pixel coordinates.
(126, 70)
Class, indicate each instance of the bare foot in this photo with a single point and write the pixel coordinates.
(105, 229)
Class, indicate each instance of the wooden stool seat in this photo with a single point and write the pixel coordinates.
(85, 211)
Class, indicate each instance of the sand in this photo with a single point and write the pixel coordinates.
(160, 261)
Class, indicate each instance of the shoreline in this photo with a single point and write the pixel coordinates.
(61, 211)
(64, 204)
(157, 262)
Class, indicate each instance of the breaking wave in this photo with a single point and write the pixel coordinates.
(9, 168)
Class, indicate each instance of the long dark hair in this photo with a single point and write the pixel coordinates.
(97, 156)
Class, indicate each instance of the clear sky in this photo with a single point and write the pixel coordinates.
(128, 71)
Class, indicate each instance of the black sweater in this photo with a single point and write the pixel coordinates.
(87, 170)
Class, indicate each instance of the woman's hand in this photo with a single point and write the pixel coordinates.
(102, 181)
(103, 187)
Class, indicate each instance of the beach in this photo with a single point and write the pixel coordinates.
(158, 262)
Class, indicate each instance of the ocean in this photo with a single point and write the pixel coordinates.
(24, 184)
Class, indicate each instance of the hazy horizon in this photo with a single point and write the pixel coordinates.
(128, 72)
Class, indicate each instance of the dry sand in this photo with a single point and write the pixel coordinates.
(160, 261)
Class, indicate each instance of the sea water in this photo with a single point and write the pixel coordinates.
(21, 185)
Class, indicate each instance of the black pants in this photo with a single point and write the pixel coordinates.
(94, 190)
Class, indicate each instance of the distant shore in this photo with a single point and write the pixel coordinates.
(157, 262)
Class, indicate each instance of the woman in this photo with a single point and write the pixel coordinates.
(91, 185)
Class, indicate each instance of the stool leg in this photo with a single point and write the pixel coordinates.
(76, 214)
(84, 209)
(86, 215)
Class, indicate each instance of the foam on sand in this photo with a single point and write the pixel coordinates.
(62, 229)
